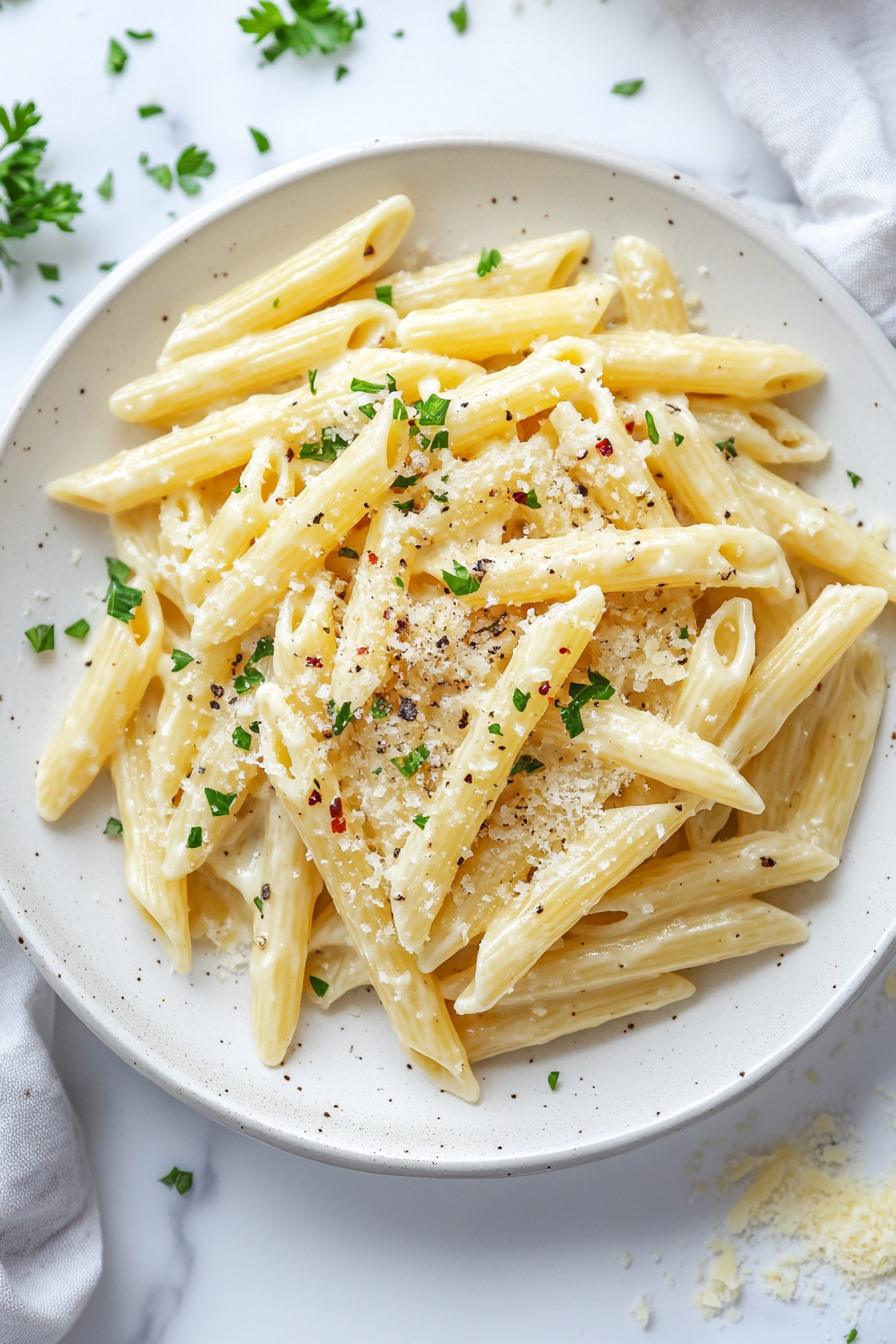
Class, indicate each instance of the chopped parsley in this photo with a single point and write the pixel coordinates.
(255, 727)
(527, 497)
(433, 410)
(404, 482)
(258, 905)
(441, 499)
(459, 17)
(368, 409)
(683, 632)
(653, 433)
(150, 110)
(346, 553)
(420, 820)
(409, 765)
(122, 602)
(553, 1079)
(330, 446)
(852, 1336)
(627, 88)
(489, 260)
(181, 1181)
(462, 583)
(727, 447)
(341, 717)
(78, 629)
(194, 839)
(678, 438)
(856, 479)
(360, 385)
(241, 738)
(341, 72)
(248, 680)
(192, 165)
(380, 709)
(403, 506)
(263, 649)
(495, 729)
(180, 659)
(117, 570)
(237, 489)
(146, 36)
(521, 699)
(113, 827)
(598, 688)
(314, 25)
(399, 410)
(399, 582)
(160, 173)
(384, 294)
(312, 381)
(319, 986)
(26, 201)
(528, 765)
(116, 57)
(106, 187)
(220, 803)
(48, 271)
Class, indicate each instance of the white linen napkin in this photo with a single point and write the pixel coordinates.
(817, 80)
(50, 1243)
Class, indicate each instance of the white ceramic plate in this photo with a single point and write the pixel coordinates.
(345, 1095)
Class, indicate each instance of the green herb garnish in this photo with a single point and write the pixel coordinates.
(312, 381)
(409, 765)
(678, 438)
(521, 699)
(856, 479)
(384, 294)
(192, 165)
(653, 433)
(122, 602)
(330, 446)
(528, 765)
(48, 271)
(597, 689)
(399, 582)
(257, 902)
(341, 717)
(319, 986)
(26, 202)
(727, 447)
(113, 827)
(315, 25)
(194, 839)
(160, 173)
(404, 482)
(360, 385)
(462, 583)
(553, 1079)
(346, 553)
(263, 649)
(420, 820)
(399, 410)
(459, 17)
(852, 1336)
(78, 629)
(181, 1181)
(489, 260)
(403, 506)
(495, 729)
(433, 410)
(248, 680)
(380, 709)
(368, 409)
(180, 659)
(528, 498)
(241, 738)
(627, 88)
(106, 188)
(262, 143)
(683, 632)
(116, 57)
(220, 803)
(150, 110)
(255, 727)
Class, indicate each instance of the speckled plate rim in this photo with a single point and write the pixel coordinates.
(48, 960)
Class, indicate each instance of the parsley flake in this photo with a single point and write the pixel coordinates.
(113, 827)
(220, 803)
(193, 164)
(597, 689)
(380, 709)
(399, 410)
(653, 433)
(360, 385)
(384, 294)
(403, 506)
(679, 439)
(106, 187)
(262, 143)
(181, 1181)
(495, 729)
(248, 680)
(122, 602)
(48, 271)
(255, 727)
(78, 629)
(194, 839)
(315, 25)
(527, 765)
(330, 446)
(160, 173)
(521, 699)
(117, 570)
(180, 659)
(627, 88)
(459, 17)
(433, 410)
(346, 553)
(107, 266)
(146, 36)
(258, 905)
(404, 482)
(420, 820)
(852, 1336)
(856, 479)
(150, 110)
(26, 201)
(263, 649)
(312, 381)
(368, 409)
(527, 497)
(319, 986)
(727, 447)
(341, 717)
(116, 57)
(489, 260)
(462, 583)
(409, 765)
(241, 738)
(683, 632)
(341, 72)
(553, 1079)
(399, 582)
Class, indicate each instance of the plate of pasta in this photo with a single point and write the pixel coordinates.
(453, 749)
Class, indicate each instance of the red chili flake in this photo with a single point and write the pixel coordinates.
(605, 447)
(767, 862)
(372, 557)
(544, 688)
(468, 779)
(564, 650)
(630, 426)
(388, 614)
(520, 496)
(314, 798)
(337, 825)
(314, 662)
(363, 649)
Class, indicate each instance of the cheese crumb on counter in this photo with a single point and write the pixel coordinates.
(640, 1312)
(722, 1281)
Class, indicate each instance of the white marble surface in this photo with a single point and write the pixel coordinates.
(266, 1244)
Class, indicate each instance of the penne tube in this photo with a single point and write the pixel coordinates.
(764, 431)
(481, 494)
(552, 569)
(162, 900)
(840, 750)
(478, 329)
(484, 884)
(566, 887)
(509, 1027)
(719, 665)
(669, 362)
(337, 971)
(305, 646)
(663, 751)
(304, 532)
(282, 928)
(253, 363)
(422, 874)
(650, 291)
(525, 268)
(301, 774)
(186, 715)
(814, 531)
(795, 666)
(687, 462)
(124, 658)
(305, 281)
(493, 404)
(138, 541)
(227, 439)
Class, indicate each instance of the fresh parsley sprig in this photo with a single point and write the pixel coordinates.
(315, 25)
(598, 688)
(26, 201)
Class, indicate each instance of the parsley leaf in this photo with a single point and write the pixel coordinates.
(627, 88)
(433, 410)
(341, 72)
(495, 729)
(679, 439)
(220, 803)
(263, 649)
(26, 201)
(346, 553)
(403, 506)
(315, 25)
(597, 689)
(146, 36)
(116, 57)
(107, 266)
(459, 17)
(181, 1181)
(113, 827)
(78, 629)
(262, 143)
(409, 765)
(319, 986)
(359, 385)
(856, 480)
(527, 497)
(461, 582)
(48, 272)
(160, 173)
(521, 699)
(312, 381)
(179, 660)
(489, 259)
(150, 110)
(330, 446)
(368, 409)
(380, 709)
(192, 164)
(122, 602)
(404, 482)
(258, 905)
(852, 1336)
(553, 1079)
(241, 738)
(194, 839)
(653, 433)
(248, 680)
(727, 447)
(106, 187)
(341, 717)
(420, 820)
(384, 293)
(527, 764)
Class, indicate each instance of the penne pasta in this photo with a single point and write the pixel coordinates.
(764, 431)
(669, 362)
(650, 291)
